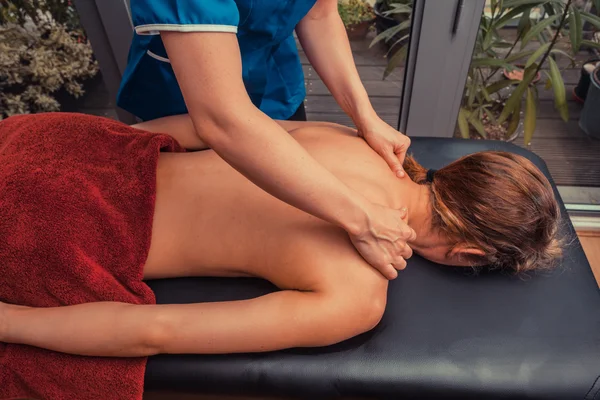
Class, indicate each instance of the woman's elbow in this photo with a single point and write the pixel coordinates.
(352, 313)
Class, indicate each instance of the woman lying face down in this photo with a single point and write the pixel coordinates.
(488, 208)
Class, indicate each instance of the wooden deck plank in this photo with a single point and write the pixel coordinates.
(366, 73)
(374, 88)
(327, 104)
(591, 246)
(340, 117)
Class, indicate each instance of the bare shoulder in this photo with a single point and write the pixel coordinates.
(294, 126)
(322, 255)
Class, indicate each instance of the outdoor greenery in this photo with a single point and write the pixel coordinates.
(42, 51)
(491, 102)
(355, 11)
(396, 37)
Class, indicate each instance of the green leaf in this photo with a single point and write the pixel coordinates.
(487, 40)
(515, 118)
(541, 50)
(486, 95)
(396, 60)
(491, 117)
(564, 53)
(524, 25)
(512, 14)
(472, 92)
(575, 29)
(478, 127)
(597, 5)
(516, 96)
(560, 97)
(516, 3)
(519, 55)
(398, 8)
(463, 125)
(591, 18)
(389, 33)
(397, 42)
(501, 84)
(548, 84)
(589, 43)
(537, 29)
(530, 115)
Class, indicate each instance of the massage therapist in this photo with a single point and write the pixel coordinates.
(234, 67)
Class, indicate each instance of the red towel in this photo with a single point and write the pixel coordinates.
(77, 200)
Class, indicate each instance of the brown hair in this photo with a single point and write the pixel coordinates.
(499, 203)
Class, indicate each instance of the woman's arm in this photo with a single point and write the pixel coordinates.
(337, 296)
(323, 37)
(209, 71)
(181, 128)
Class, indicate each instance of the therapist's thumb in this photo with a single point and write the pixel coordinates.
(394, 163)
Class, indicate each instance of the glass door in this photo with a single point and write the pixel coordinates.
(525, 84)
(379, 32)
(513, 70)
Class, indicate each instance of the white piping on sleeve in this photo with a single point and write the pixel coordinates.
(157, 57)
(154, 29)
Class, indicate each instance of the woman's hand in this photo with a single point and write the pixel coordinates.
(390, 144)
(382, 240)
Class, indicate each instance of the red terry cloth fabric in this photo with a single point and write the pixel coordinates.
(77, 197)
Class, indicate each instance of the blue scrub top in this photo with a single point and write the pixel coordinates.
(271, 67)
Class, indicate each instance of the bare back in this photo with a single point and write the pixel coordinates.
(212, 221)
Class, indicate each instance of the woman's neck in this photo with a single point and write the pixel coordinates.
(418, 202)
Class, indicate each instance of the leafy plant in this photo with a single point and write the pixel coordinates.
(38, 57)
(397, 36)
(491, 100)
(355, 11)
(18, 11)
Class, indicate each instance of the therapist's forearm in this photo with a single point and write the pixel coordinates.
(208, 69)
(333, 61)
(274, 161)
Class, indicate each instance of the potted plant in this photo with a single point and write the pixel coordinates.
(45, 53)
(357, 16)
(385, 15)
(393, 27)
(497, 107)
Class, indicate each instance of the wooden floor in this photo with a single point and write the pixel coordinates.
(591, 246)
(572, 157)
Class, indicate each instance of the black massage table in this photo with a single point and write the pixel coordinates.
(446, 333)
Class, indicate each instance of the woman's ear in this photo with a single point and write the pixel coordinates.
(466, 250)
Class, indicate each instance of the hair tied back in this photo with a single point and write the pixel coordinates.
(430, 175)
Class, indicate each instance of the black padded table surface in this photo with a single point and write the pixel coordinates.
(446, 332)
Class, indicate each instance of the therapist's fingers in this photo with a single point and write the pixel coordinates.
(399, 265)
(394, 162)
(391, 272)
(401, 147)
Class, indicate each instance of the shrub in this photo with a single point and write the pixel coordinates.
(39, 56)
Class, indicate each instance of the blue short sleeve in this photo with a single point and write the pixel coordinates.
(152, 16)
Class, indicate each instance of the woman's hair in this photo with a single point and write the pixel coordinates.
(496, 202)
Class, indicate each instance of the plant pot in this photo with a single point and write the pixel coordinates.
(494, 134)
(358, 31)
(520, 68)
(383, 23)
(589, 121)
(581, 90)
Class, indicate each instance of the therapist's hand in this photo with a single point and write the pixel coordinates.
(382, 240)
(390, 144)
